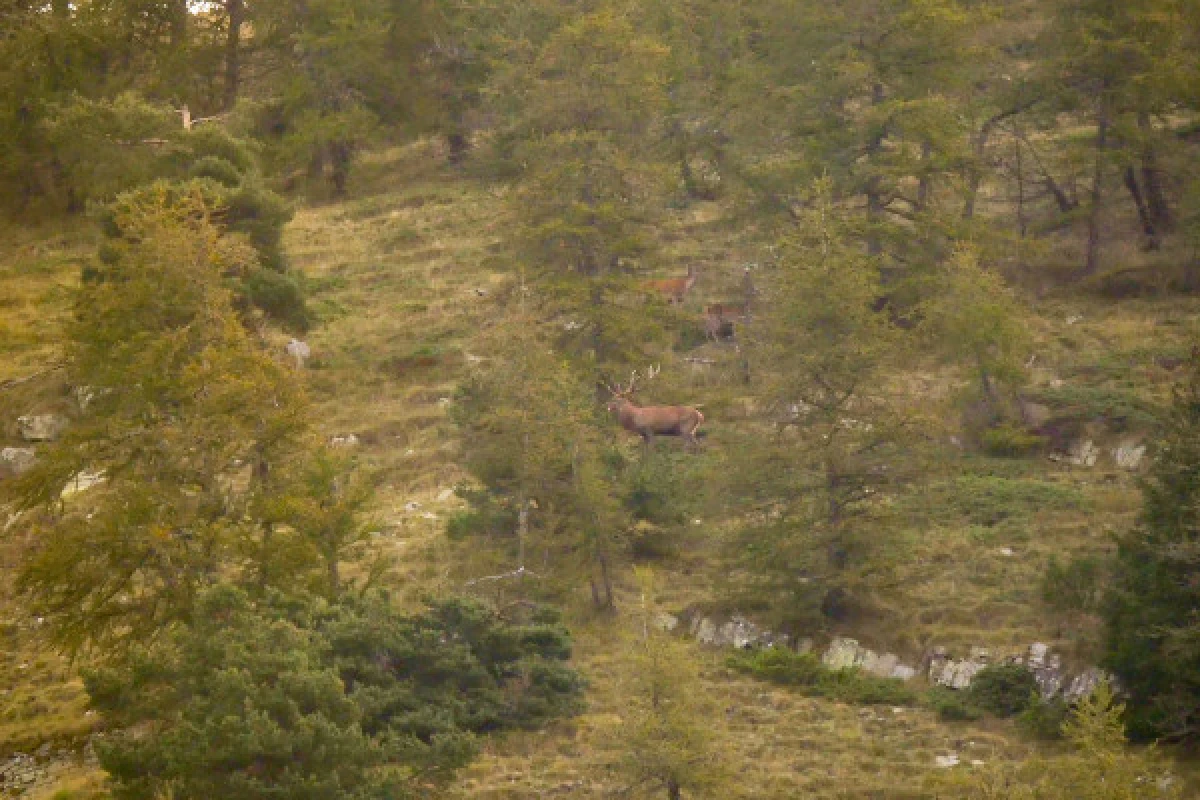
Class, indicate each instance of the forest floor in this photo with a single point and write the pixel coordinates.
(408, 283)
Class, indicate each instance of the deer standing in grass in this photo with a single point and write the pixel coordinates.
(721, 319)
(651, 421)
(675, 289)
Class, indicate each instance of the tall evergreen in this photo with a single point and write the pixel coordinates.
(1153, 608)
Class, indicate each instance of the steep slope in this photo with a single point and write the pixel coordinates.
(406, 280)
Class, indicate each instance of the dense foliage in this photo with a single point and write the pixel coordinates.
(1153, 633)
(300, 698)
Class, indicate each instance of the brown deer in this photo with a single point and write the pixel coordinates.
(721, 319)
(675, 289)
(651, 421)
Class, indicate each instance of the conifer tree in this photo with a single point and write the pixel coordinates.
(1153, 639)
(184, 411)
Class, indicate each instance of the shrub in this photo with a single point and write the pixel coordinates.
(1003, 689)
(951, 704)
(217, 169)
(806, 672)
(261, 215)
(1044, 719)
(1011, 441)
(779, 665)
(279, 295)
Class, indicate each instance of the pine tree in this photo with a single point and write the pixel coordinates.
(1153, 639)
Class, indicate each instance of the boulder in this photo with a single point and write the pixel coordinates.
(947, 761)
(665, 622)
(1082, 453)
(299, 352)
(1129, 454)
(41, 427)
(344, 440)
(1086, 682)
(82, 481)
(843, 653)
(15, 461)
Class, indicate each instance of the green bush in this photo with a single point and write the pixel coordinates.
(217, 169)
(951, 704)
(1044, 719)
(1003, 689)
(261, 215)
(279, 295)
(1119, 408)
(302, 697)
(806, 672)
(1011, 441)
(779, 665)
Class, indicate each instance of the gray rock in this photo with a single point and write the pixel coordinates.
(842, 654)
(40, 427)
(1083, 453)
(1086, 682)
(946, 761)
(82, 481)
(705, 631)
(955, 674)
(665, 622)
(1129, 454)
(903, 672)
(299, 351)
(881, 665)
(16, 460)
(344, 440)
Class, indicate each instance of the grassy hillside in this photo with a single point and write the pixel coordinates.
(406, 281)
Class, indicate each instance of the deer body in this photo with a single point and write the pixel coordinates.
(720, 317)
(650, 421)
(675, 289)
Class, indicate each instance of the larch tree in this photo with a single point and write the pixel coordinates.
(185, 411)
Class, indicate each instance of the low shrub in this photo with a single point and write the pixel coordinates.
(1044, 719)
(1003, 689)
(805, 672)
(217, 169)
(1011, 441)
(280, 295)
(951, 704)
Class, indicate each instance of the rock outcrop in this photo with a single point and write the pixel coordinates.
(41, 427)
(15, 461)
(941, 668)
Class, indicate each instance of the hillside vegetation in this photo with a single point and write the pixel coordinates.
(348, 425)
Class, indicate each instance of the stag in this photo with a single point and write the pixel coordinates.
(651, 421)
(675, 289)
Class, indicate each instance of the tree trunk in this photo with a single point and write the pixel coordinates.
(1092, 258)
(1139, 202)
(1020, 167)
(1156, 198)
(874, 189)
(339, 167)
(924, 183)
(179, 24)
(235, 10)
(674, 791)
